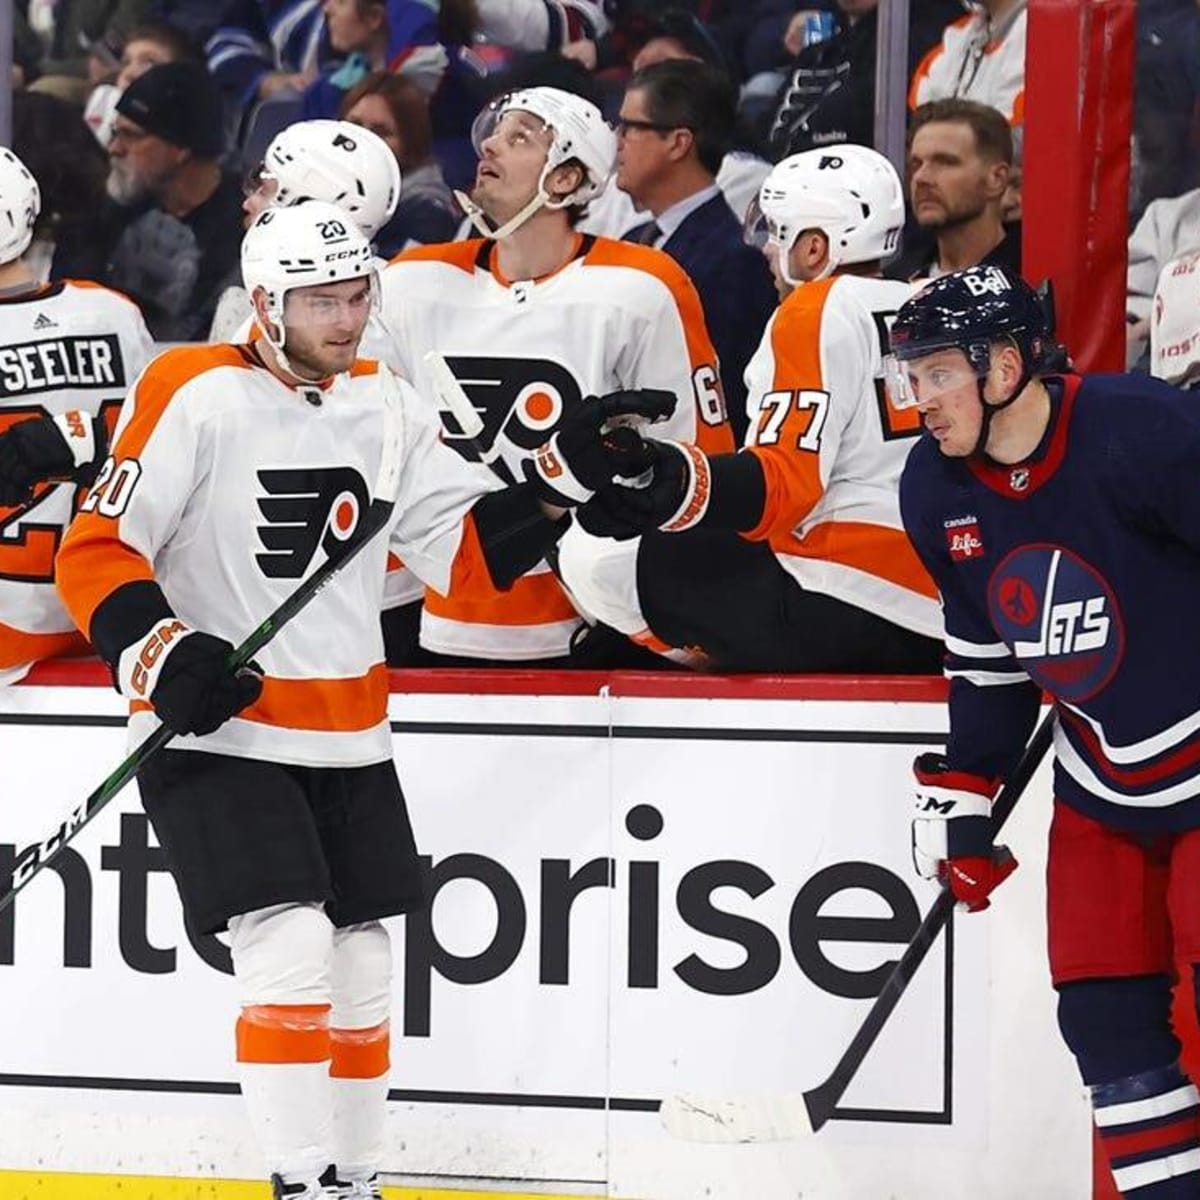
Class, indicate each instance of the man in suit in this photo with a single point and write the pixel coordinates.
(675, 125)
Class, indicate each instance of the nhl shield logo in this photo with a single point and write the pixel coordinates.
(1018, 479)
(963, 538)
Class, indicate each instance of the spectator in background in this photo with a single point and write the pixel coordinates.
(1168, 229)
(829, 94)
(397, 111)
(676, 35)
(981, 57)
(959, 158)
(26, 52)
(147, 46)
(267, 48)
(176, 255)
(1175, 323)
(676, 123)
(77, 225)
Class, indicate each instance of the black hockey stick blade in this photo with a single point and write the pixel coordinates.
(783, 1117)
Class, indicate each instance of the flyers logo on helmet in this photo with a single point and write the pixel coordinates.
(306, 509)
(521, 402)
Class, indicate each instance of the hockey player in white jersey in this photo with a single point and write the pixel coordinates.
(68, 351)
(235, 471)
(790, 554)
(532, 317)
(334, 161)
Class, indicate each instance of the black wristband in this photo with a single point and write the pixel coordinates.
(124, 616)
(739, 492)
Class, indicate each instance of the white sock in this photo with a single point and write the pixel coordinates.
(291, 1110)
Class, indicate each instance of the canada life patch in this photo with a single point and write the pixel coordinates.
(1060, 617)
(963, 538)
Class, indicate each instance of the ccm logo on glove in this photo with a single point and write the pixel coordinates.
(147, 657)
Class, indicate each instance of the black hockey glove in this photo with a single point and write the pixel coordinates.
(674, 499)
(184, 676)
(595, 444)
(43, 448)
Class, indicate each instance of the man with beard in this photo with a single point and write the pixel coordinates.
(176, 255)
(960, 158)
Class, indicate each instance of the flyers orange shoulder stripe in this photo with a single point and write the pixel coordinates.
(607, 252)
(792, 471)
(455, 254)
(101, 287)
(93, 561)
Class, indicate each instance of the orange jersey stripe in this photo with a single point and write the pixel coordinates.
(360, 1053)
(320, 705)
(874, 549)
(607, 252)
(474, 599)
(457, 254)
(792, 473)
(284, 1033)
(93, 561)
(18, 647)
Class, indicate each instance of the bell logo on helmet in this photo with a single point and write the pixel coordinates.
(987, 281)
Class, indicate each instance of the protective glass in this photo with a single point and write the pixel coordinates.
(518, 129)
(928, 378)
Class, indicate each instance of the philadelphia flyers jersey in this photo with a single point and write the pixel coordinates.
(614, 316)
(1076, 572)
(227, 488)
(832, 448)
(66, 346)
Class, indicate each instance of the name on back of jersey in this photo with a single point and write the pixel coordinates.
(28, 368)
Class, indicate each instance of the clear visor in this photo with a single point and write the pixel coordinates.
(927, 379)
(758, 229)
(260, 182)
(344, 306)
(515, 127)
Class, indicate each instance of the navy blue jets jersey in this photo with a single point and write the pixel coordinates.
(1077, 572)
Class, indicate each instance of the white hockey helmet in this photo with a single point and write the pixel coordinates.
(301, 246)
(20, 204)
(338, 162)
(851, 193)
(578, 131)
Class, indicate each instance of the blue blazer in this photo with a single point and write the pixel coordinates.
(736, 291)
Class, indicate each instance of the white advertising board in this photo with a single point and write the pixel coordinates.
(633, 896)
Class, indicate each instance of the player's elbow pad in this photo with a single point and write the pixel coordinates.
(514, 533)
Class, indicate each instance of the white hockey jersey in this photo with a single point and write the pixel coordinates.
(615, 316)
(977, 60)
(64, 346)
(832, 449)
(227, 489)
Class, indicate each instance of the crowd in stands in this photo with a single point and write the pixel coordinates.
(148, 126)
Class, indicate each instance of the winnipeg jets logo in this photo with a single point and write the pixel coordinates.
(306, 509)
(521, 402)
(1060, 616)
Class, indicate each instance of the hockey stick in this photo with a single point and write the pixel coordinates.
(376, 518)
(783, 1117)
(450, 392)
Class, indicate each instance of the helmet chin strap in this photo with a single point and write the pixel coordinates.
(281, 359)
(539, 199)
(990, 410)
